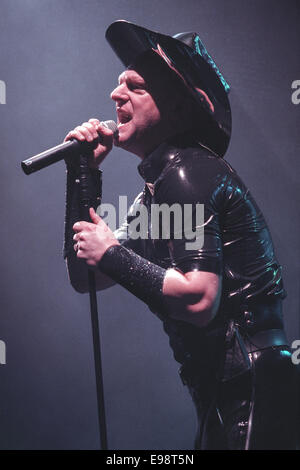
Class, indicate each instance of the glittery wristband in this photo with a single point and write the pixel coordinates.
(138, 275)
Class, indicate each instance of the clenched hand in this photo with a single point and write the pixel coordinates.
(93, 239)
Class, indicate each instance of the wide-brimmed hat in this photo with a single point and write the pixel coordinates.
(186, 57)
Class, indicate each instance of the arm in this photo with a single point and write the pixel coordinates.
(190, 293)
(192, 297)
(197, 280)
(77, 269)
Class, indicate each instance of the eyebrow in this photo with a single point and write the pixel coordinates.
(120, 77)
(135, 78)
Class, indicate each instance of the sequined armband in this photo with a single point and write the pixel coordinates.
(138, 275)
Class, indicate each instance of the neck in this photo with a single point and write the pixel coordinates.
(179, 139)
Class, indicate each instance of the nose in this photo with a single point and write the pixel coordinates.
(119, 94)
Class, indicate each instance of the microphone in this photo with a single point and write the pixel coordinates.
(61, 151)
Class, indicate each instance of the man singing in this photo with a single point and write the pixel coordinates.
(220, 300)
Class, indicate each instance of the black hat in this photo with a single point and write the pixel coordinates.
(186, 57)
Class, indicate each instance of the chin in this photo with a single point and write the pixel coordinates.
(131, 139)
(124, 132)
(123, 139)
(126, 139)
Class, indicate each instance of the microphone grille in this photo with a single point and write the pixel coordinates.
(110, 125)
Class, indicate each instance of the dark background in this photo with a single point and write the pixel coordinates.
(59, 72)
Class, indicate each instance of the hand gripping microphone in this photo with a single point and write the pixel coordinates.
(61, 151)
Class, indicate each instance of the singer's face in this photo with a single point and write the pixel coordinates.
(140, 118)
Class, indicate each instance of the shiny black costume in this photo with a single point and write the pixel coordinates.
(238, 368)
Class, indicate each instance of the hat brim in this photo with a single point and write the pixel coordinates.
(130, 42)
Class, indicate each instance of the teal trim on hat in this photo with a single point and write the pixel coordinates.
(201, 49)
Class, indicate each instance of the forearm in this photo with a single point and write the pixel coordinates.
(168, 292)
(77, 269)
(192, 297)
(138, 275)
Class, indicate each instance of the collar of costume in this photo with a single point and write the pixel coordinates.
(165, 154)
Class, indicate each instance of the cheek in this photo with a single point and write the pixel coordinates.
(156, 115)
(151, 115)
(146, 111)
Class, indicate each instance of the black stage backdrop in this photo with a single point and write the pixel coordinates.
(59, 71)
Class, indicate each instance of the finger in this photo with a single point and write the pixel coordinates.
(77, 247)
(103, 130)
(74, 134)
(94, 121)
(80, 253)
(94, 216)
(85, 132)
(77, 227)
(99, 126)
(91, 128)
(79, 236)
(106, 136)
(82, 225)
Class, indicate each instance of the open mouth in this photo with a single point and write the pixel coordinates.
(123, 118)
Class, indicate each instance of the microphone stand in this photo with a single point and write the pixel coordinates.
(84, 213)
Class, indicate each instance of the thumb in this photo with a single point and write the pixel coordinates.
(94, 217)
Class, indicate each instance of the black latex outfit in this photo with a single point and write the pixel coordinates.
(238, 369)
